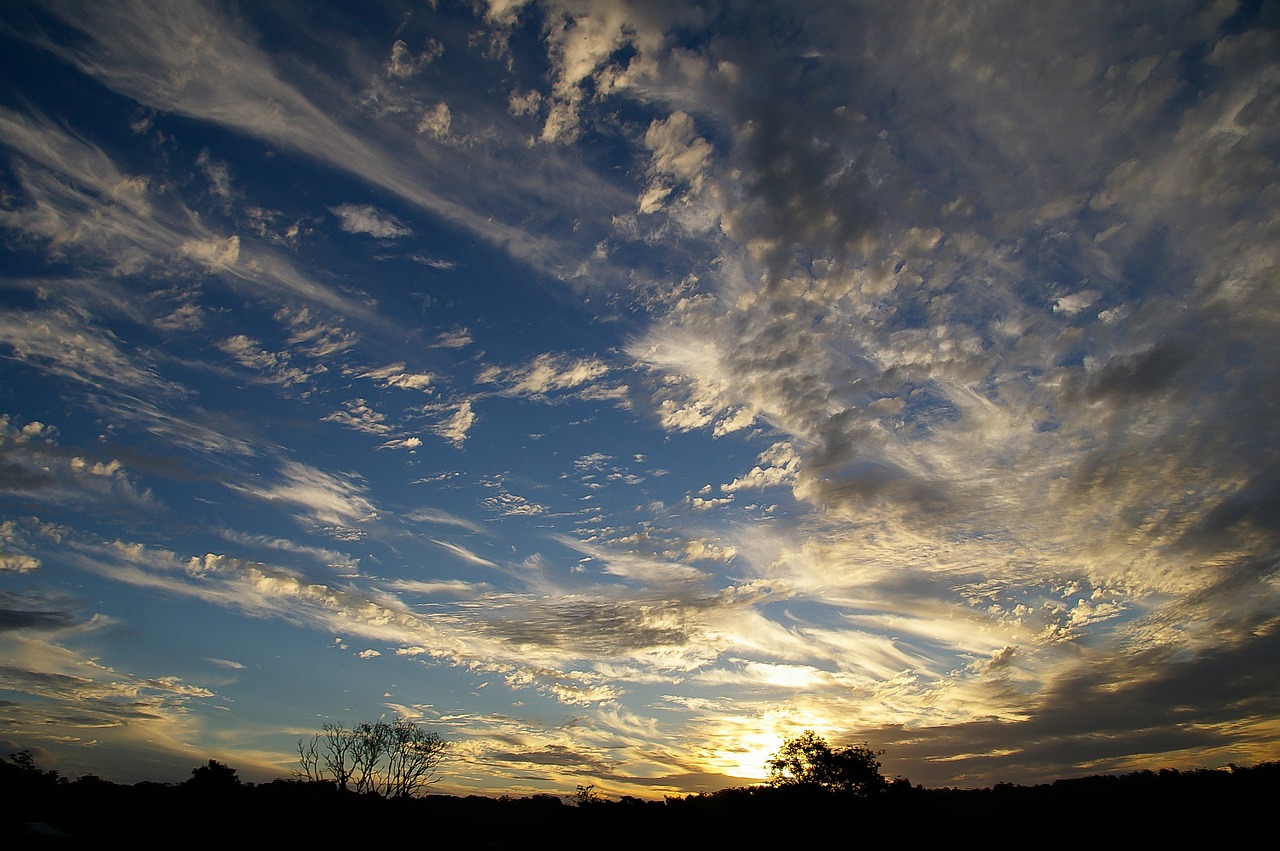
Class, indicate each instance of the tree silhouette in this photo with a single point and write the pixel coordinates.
(586, 795)
(213, 777)
(807, 760)
(394, 760)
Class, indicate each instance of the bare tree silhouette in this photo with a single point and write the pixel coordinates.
(395, 759)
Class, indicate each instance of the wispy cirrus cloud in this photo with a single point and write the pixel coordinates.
(329, 499)
(232, 82)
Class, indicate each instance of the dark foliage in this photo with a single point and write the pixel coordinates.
(807, 760)
(213, 777)
(1139, 810)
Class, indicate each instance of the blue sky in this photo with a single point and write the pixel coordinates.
(617, 388)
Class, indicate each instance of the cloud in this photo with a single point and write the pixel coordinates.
(458, 338)
(317, 339)
(525, 638)
(139, 53)
(73, 348)
(227, 663)
(34, 467)
(357, 415)
(214, 253)
(777, 466)
(328, 499)
(456, 427)
(147, 718)
(322, 555)
(546, 374)
(18, 612)
(403, 64)
(436, 121)
(18, 562)
(432, 515)
(83, 204)
(395, 375)
(402, 443)
(464, 554)
(524, 103)
(1007, 364)
(434, 262)
(680, 157)
(275, 367)
(512, 505)
(579, 42)
(364, 218)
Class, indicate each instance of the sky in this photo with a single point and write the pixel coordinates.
(618, 388)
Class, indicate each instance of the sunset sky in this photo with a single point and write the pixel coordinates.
(620, 387)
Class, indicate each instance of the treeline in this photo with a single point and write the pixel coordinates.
(214, 808)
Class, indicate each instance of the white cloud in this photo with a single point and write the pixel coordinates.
(512, 505)
(359, 416)
(1075, 302)
(435, 122)
(464, 554)
(275, 367)
(458, 425)
(524, 103)
(777, 465)
(140, 52)
(18, 562)
(365, 218)
(679, 156)
(318, 339)
(396, 375)
(403, 64)
(431, 515)
(402, 443)
(546, 373)
(326, 498)
(214, 253)
(459, 338)
(71, 347)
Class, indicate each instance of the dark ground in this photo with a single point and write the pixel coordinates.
(1222, 807)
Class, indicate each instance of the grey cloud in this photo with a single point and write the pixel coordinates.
(1142, 374)
(591, 629)
(550, 755)
(813, 199)
(1252, 510)
(17, 476)
(18, 612)
(1110, 717)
